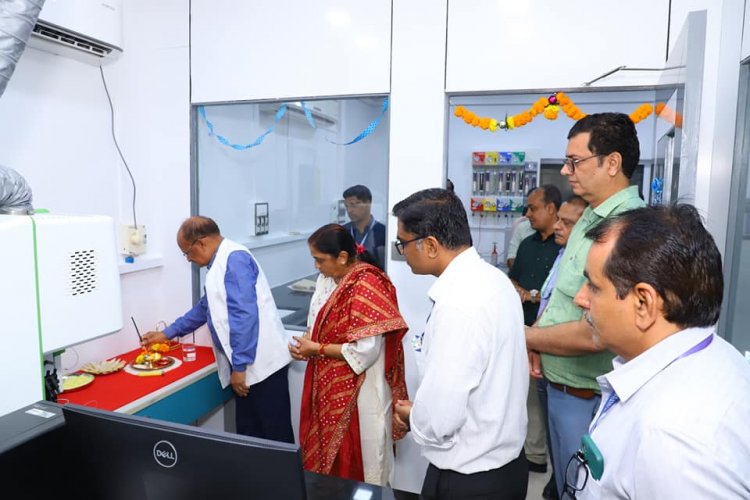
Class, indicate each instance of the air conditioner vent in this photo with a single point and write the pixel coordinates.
(71, 40)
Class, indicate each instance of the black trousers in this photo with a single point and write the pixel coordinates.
(265, 412)
(508, 482)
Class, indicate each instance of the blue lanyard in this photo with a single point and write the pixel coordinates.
(614, 398)
(367, 233)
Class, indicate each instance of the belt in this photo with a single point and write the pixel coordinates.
(575, 391)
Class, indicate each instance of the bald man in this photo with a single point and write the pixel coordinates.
(245, 327)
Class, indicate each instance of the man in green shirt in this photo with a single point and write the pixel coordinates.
(601, 156)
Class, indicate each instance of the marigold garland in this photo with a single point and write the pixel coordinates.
(550, 107)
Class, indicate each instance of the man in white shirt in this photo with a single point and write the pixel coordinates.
(673, 422)
(469, 413)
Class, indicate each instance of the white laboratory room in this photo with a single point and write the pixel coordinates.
(394, 249)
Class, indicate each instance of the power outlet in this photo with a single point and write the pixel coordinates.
(261, 219)
(132, 240)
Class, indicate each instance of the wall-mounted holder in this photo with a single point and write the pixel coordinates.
(261, 219)
(341, 214)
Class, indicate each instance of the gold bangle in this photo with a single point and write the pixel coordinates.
(321, 350)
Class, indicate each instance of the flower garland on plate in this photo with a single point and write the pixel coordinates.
(550, 107)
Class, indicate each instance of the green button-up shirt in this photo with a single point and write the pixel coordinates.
(580, 371)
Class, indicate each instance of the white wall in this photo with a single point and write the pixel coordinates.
(56, 132)
(286, 48)
(542, 44)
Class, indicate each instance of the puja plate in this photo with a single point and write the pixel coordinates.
(157, 365)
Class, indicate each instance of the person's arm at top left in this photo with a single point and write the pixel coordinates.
(240, 279)
(188, 322)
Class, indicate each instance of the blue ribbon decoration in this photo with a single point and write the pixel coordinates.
(239, 147)
(367, 131)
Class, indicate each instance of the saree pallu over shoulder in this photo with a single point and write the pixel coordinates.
(363, 305)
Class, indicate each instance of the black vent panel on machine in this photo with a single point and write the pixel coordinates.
(82, 272)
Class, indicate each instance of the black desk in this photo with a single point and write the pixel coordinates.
(299, 302)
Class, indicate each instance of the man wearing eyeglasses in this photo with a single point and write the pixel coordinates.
(601, 156)
(675, 419)
(469, 413)
(365, 230)
(248, 337)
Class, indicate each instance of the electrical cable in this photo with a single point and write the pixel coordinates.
(114, 138)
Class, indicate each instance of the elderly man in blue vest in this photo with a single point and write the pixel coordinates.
(245, 327)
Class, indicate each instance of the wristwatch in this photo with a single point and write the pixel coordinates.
(534, 294)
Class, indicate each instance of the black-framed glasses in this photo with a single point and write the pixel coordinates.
(576, 476)
(401, 244)
(186, 252)
(571, 163)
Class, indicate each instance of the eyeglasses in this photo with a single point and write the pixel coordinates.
(571, 163)
(186, 252)
(401, 244)
(576, 476)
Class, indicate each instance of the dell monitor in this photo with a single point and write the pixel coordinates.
(117, 456)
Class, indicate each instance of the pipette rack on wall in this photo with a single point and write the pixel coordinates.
(500, 182)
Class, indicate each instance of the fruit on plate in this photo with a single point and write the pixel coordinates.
(159, 347)
(147, 358)
(103, 367)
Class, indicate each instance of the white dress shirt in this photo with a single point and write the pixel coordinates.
(469, 412)
(682, 426)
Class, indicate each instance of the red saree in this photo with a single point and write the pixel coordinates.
(362, 305)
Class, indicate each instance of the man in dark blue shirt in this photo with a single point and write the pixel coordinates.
(365, 230)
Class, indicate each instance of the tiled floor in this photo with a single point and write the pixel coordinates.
(537, 482)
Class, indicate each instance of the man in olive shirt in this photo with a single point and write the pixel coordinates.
(601, 156)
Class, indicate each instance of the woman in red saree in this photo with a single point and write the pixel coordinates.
(355, 368)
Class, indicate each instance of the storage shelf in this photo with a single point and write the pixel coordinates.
(272, 239)
(142, 262)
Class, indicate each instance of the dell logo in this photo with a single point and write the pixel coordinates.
(165, 454)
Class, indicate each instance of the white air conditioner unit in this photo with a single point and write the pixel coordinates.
(326, 111)
(86, 30)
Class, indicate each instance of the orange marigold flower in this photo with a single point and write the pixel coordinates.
(474, 121)
(659, 107)
(459, 111)
(484, 123)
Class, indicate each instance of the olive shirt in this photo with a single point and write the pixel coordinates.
(580, 371)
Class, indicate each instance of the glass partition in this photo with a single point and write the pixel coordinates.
(736, 315)
(272, 173)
